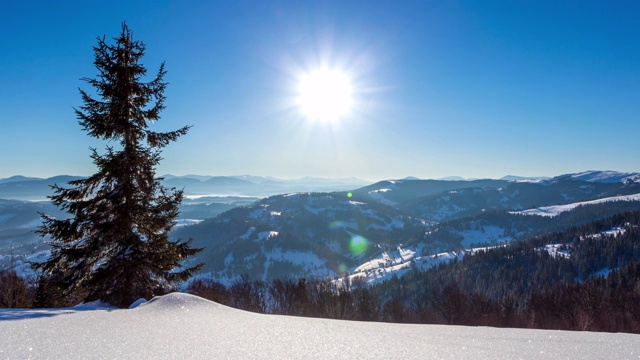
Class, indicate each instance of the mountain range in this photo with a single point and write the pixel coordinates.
(35, 189)
(333, 227)
(332, 234)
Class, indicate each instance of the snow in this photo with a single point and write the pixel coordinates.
(379, 195)
(379, 190)
(187, 222)
(402, 259)
(182, 326)
(484, 235)
(555, 210)
(605, 176)
(557, 250)
(265, 235)
(615, 231)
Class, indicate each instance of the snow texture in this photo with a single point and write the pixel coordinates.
(555, 210)
(181, 326)
(183, 222)
(401, 260)
(605, 176)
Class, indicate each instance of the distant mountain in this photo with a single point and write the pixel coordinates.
(255, 179)
(197, 177)
(25, 188)
(321, 226)
(496, 196)
(399, 192)
(17, 178)
(452, 178)
(19, 219)
(30, 189)
(523, 178)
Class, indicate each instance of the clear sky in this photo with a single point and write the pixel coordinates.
(439, 88)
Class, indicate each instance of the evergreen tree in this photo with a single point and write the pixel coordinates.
(115, 247)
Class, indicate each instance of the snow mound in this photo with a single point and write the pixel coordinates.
(178, 302)
(181, 326)
(137, 303)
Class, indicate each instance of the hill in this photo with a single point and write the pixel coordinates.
(330, 234)
(180, 325)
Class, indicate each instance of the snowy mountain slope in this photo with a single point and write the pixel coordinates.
(603, 177)
(300, 235)
(20, 219)
(401, 260)
(328, 234)
(399, 192)
(552, 211)
(178, 326)
(513, 196)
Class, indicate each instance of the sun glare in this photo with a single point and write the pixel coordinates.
(325, 95)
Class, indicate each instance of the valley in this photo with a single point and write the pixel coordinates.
(372, 232)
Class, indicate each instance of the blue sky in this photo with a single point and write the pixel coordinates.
(441, 88)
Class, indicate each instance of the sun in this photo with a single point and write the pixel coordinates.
(325, 95)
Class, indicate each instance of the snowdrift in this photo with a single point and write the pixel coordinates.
(188, 327)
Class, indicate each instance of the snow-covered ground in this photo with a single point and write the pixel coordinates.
(181, 326)
(557, 250)
(397, 262)
(484, 235)
(604, 176)
(187, 222)
(555, 210)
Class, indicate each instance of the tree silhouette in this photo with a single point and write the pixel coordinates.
(115, 247)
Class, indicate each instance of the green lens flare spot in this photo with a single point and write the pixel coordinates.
(342, 268)
(358, 245)
(349, 195)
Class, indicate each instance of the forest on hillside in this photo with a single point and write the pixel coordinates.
(582, 278)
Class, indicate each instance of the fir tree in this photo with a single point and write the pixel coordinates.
(115, 246)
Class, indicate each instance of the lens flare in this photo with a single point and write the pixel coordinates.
(342, 268)
(358, 245)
